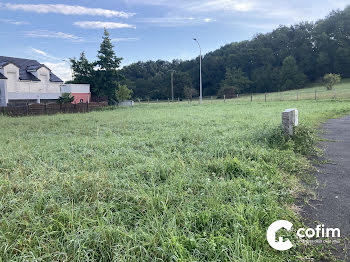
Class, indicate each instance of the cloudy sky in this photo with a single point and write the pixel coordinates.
(54, 30)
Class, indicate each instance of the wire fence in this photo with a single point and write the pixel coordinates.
(294, 95)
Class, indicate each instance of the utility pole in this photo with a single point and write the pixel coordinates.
(200, 71)
(172, 86)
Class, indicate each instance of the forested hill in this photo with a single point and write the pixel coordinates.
(287, 58)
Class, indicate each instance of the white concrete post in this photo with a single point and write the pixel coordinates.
(3, 93)
(290, 120)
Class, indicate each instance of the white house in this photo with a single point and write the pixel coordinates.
(28, 81)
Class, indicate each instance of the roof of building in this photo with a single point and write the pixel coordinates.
(2, 76)
(25, 66)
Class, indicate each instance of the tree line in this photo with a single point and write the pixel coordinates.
(287, 58)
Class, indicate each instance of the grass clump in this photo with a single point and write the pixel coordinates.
(303, 141)
(229, 167)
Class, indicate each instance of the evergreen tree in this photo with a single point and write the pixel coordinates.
(107, 64)
(107, 60)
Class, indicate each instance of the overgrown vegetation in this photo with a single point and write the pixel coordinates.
(159, 182)
(303, 141)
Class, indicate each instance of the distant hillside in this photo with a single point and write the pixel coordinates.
(287, 58)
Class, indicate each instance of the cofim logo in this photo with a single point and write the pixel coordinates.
(319, 232)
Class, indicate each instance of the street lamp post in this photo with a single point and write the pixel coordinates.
(200, 71)
(172, 85)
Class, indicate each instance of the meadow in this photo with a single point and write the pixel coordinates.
(314, 91)
(158, 182)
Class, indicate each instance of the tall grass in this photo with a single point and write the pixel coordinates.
(152, 183)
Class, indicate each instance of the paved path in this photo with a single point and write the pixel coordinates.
(333, 206)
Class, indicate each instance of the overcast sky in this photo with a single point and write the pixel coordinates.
(52, 31)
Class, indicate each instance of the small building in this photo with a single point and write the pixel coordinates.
(28, 81)
(81, 92)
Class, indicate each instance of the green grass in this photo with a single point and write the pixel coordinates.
(153, 183)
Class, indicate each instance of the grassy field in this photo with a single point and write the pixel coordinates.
(153, 183)
(340, 91)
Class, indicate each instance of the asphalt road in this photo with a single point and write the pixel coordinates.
(332, 207)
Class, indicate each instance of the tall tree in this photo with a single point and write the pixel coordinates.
(291, 77)
(107, 65)
(83, 70)
(237, 79)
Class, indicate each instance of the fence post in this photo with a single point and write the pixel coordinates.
(188, 100)
(315, 95)
(224, 98)
(157, 100)
(211, 99)
(265, 96)
(297, 96)
(335, 94)
(168, 100)
(148, 100)
(290, 120)
(251, 98)
(87, 107)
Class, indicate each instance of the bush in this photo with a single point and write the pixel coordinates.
(65, 98)
(303, 141)
(330, 80)
(123, 93)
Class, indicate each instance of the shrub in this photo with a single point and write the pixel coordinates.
(123, 93)
(303, 141)
(330, 80)
(65, 98)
